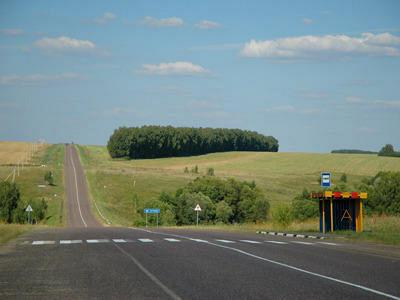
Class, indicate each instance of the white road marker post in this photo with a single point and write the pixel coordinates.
(29, 210)
(197, 209)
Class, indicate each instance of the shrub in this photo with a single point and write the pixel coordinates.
(210, 171)
(9, 199)
(303, 207)
(282, 214)
(223, 212)
(49, 178)
(195, 169)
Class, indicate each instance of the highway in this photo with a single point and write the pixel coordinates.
(86, 260)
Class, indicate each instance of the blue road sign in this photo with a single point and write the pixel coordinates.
(325, 179)
(151, 210)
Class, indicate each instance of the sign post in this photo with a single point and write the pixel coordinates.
(152, 211)
(197, 209)
(325, 179)
(29, 210)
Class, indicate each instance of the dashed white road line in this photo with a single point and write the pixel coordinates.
(43, 242)
(199, 240)
(172, 240)
(145, 240)
(119, 241)
(302, 243)
(326, 243)
(250, 241)
(277, 242)
(65, 242)
(226, 241)
(97, 241)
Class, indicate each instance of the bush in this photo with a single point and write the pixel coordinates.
(210, 171)
(303, 207)
(186, 170)
(9, 199)
(39, 209)
(282, 214)
(223, 212)
(195, 169)
(48, 178)
(343, 178)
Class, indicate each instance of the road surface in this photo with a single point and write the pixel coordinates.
(92, 261)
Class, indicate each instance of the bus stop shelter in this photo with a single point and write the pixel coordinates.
(340, 210)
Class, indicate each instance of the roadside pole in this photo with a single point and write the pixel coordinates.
(146, 219)
(197, 209)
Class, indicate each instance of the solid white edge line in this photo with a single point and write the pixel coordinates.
(364, 288)
(250, 241)
(226, 241)
(76, 186)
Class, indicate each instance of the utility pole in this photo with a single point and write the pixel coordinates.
(13, 178)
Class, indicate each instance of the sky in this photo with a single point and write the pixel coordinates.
(317, 75)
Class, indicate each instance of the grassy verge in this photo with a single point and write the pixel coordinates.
(11, 231)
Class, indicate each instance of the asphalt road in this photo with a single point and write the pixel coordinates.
(81, 262)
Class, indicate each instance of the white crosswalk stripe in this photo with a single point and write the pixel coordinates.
(226, 241)
(97, 241)
(250, 241)
(277, 242)
(145, 240)
(43, 242)
(67, 242)
(119, 241)
(303, 243)
(172, 240)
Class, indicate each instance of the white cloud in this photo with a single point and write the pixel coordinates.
(35, 79)
(167, 22)
(310, 46)
(353, 99)
(293, 109)
(105, 18)
(206, 24)
(174, 68)
(64, 43)
(387, 104)
(11, 31)
(308, 21)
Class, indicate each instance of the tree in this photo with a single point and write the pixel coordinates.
(223, 212)
(9, 199)
(388, 149)
(343, 178)
(48, 178)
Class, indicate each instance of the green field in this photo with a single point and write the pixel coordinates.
(280, 175)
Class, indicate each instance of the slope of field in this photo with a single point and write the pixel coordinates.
(281, 175)
(30, 179)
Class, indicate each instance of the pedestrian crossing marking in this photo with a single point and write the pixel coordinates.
(97, 241)
(119, 241)
(171, 240)
(145, 240)
(66, 242)
(43, 242)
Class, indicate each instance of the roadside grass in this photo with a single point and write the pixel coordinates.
(32, 177)
(11, 231)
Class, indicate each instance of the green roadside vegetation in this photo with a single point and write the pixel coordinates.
(118, 185)
(33, 190)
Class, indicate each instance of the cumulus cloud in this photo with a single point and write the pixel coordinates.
(105, 18)
(64, 43)
(167, 22)
(206, 24)
(310, 46)
(11, 31)
(174, 68)
(36, 79)
(308, 21)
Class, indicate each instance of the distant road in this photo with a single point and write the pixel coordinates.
(78, 204)
(88, 261)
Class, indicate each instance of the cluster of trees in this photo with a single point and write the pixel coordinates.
(12, 207)
(168, 141)
(221, 201)
(353, 151)
(383, 193)
(388, 150)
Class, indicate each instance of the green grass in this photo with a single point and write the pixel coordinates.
(280, 175)
(33, 175)
(11, 231)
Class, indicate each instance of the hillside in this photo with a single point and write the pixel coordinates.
(280, 175)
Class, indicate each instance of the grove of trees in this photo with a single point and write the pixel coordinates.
(221, 201)
(168, 141)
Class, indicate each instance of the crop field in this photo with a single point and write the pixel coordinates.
(280, 175)
(30, 179)
(13, 152)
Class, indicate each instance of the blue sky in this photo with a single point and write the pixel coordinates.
(317, 75)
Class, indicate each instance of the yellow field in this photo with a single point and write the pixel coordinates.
(13, 152)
